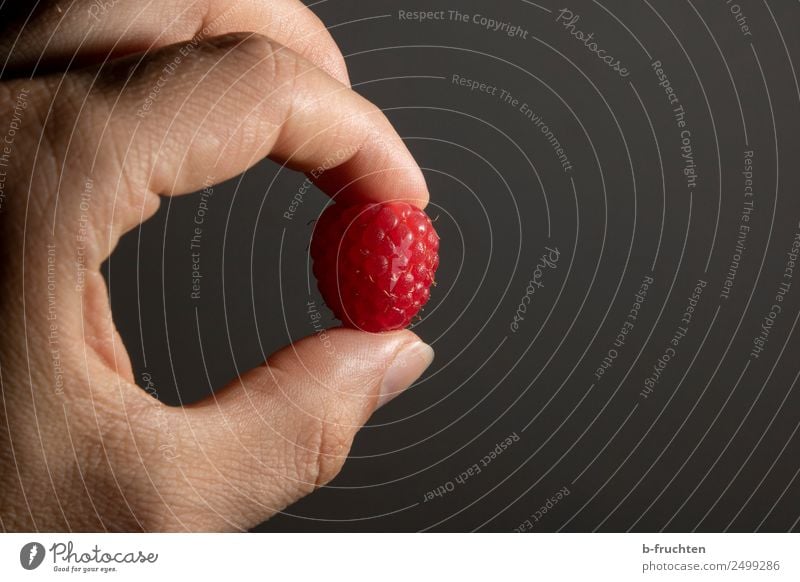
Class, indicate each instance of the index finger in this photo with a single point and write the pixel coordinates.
(52, 35)
(221, 105)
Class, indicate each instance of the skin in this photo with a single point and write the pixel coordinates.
(81, 446)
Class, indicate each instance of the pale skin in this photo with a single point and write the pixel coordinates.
(82, 447)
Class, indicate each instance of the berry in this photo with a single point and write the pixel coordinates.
(375, 263)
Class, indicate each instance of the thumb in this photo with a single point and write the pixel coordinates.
(285, 428)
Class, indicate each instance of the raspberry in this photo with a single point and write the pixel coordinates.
(375, 263)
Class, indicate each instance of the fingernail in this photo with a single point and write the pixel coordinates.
(408, 365)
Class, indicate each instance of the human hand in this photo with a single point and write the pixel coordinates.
(106, 105)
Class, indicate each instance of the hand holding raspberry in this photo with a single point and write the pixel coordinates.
(276, 432)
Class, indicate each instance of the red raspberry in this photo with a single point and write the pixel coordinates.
(375, 263)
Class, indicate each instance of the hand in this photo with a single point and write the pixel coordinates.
(106, 105)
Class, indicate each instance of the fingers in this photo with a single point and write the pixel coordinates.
(195, 114)
(78, 32)
(285, 428)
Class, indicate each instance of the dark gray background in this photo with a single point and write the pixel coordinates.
(714, 447)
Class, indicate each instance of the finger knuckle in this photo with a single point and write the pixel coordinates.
(321, 461)
(278, 74)
(268, 61)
